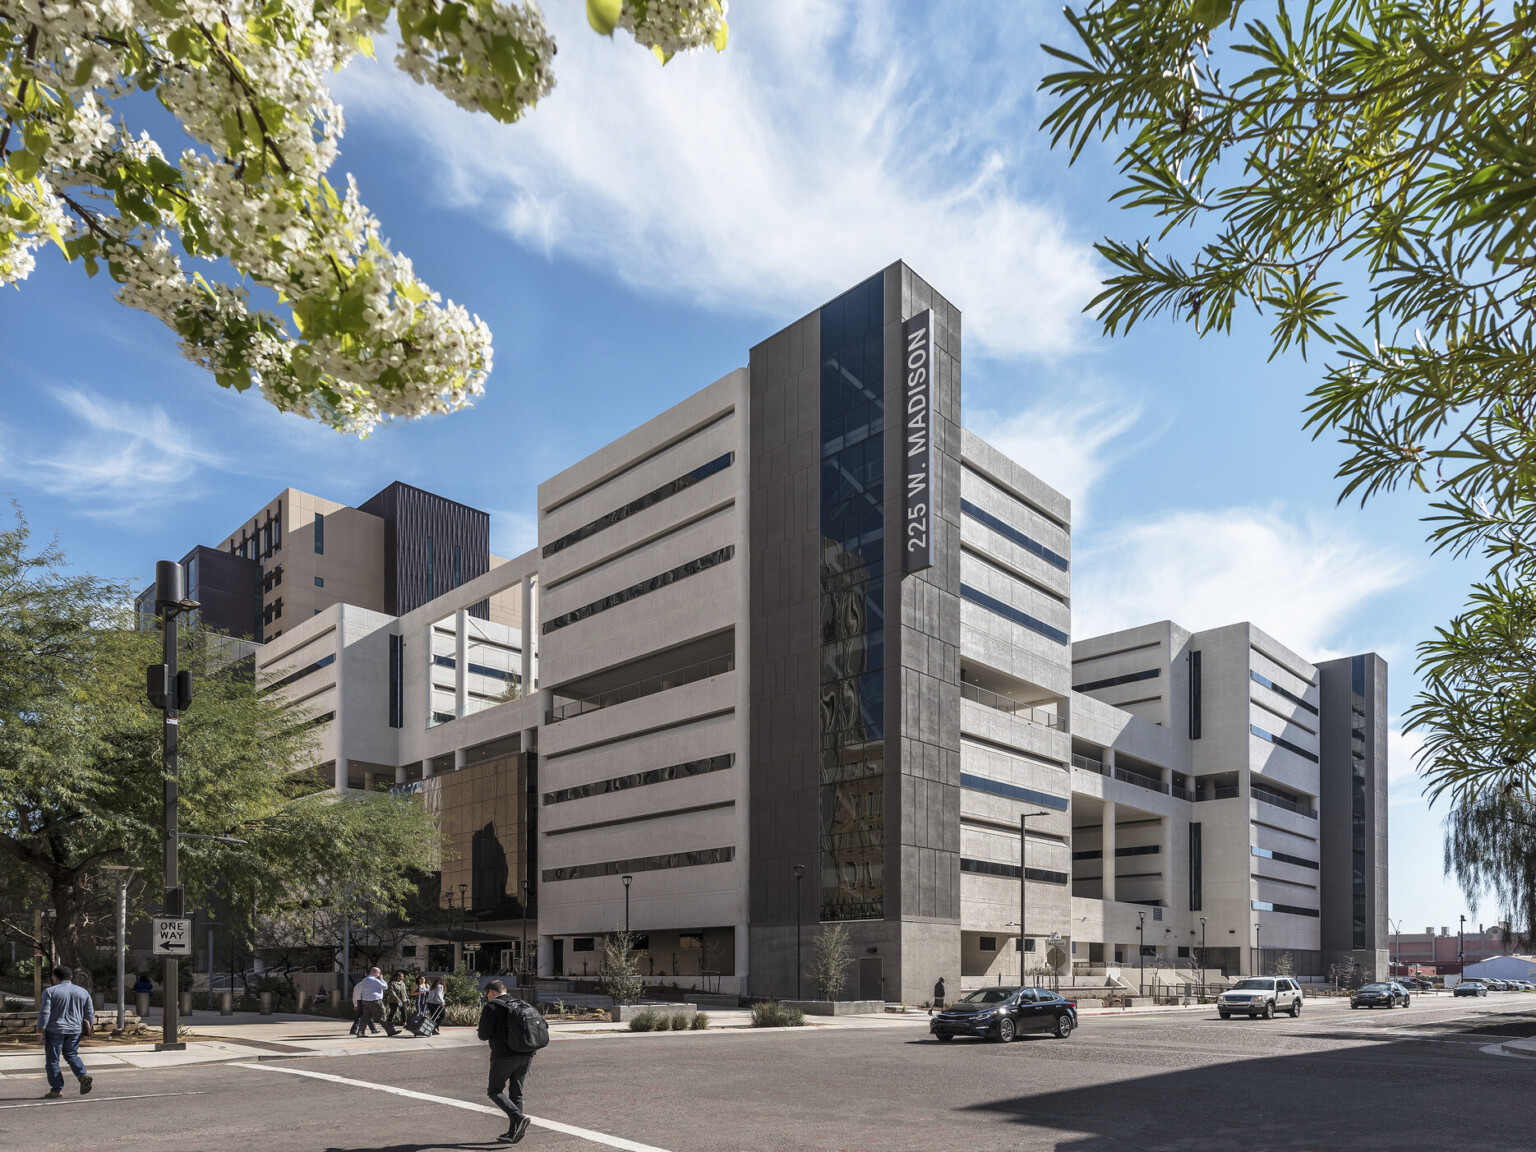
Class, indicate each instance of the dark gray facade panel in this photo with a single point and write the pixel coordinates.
(431, 546)
(228, 589)
(922, 651)
(1337, 742)
(782, 618)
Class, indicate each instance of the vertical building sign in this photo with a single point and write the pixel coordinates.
(917, 441)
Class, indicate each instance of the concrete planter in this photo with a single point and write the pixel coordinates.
(836, 1007)
(623, 1013)
(1089, 1002)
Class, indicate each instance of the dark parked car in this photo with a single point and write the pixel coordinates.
(1471, 988)
(1385, 995)
(1003, 1013)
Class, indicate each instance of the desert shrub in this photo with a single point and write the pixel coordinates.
(462, 987)
(620, 975)
(831, 955)
(644, 1021)
(679, 1021)
(462, 1015)
(772, 1014)
(698, 1021)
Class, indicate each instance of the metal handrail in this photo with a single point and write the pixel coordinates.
(1266, 797)
(1007, 704)
(1139, 780)
(676, 678)
(1182, 793)
(1087, 763)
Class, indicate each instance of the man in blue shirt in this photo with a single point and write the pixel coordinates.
(62, 1015)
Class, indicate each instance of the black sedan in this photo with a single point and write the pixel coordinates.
(1387, 995)
(1003, 1013)
(1471, 988)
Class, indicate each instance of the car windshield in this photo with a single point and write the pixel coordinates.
(989, 996)
(1375, 988)
(1255, 985)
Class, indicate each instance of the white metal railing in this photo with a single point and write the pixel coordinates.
(1029, 712)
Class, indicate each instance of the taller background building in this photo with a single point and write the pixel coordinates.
(798, 652)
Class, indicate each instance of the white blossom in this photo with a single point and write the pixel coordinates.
(358, 337)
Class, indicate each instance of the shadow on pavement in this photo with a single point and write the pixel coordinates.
(1392, 1096)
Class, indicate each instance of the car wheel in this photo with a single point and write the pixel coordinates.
(1269, 1010)
(944, 1036)
(1063, 1026)
(1296, 1008)
(1004, 1030)
(1223, 1015)
(1405, 1000)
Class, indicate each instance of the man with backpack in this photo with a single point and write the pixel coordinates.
(515, 1031)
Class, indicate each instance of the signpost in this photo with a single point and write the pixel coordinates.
(917, 442)
(171, 936)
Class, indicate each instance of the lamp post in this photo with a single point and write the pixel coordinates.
(1461, 948)
(1141, 952)
(1203, 960)
(799, 876)
(1024, 884)
(171, 691)
(523, 955)
(121, 872)
(1258, 949)
(628, 880)
(1398, 933)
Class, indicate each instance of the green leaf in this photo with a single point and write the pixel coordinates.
(722, 34)
(24, 163)
(603, 15)
(1211, 12)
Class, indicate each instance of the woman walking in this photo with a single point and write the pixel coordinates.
(396, 996)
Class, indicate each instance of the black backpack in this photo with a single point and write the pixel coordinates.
(526, 1029)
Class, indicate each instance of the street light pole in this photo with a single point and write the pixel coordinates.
(171, 691)
(1204, 962)
(1258, 948)
(1141, 952)
(799, 876)
(628, 880)
(1024, 884)
(1461, 947)
(523, 955)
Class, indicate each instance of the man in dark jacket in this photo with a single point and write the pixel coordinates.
(508, 1068)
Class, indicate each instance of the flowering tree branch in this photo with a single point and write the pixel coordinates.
(355, 337)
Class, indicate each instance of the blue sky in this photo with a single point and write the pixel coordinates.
(643, 227)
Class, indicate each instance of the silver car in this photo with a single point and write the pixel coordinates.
(1260, 996)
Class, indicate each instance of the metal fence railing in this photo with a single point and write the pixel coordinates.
(1027, 712)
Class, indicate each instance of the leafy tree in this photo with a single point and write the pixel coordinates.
(831, 956)
(620, 977)
(342, 329)
(82, 783)
(1358, 172)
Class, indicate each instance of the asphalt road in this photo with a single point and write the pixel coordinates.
(1332, 1080)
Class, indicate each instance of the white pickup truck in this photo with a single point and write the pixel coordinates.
(1260, 996)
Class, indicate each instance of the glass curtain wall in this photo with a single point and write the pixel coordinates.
(852, 605)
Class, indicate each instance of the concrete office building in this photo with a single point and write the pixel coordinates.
(799, 651)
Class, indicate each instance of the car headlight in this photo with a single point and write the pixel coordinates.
(987, 1015)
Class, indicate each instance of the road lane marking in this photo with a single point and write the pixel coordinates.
(99, 1100)
(553, 1125)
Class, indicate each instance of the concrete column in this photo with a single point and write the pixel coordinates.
(461, 663)
(367, 781)
(400, 774)
(426, 768)
(528, 633)
(546, 957)
(342, 769)
(338, 725)
(1166, 830)
(1109, 849)
(459, 758)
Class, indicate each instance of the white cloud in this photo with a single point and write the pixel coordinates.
(1299, 579)
(821, 146)
(1069, 440)
(513, 533)
(125, 457)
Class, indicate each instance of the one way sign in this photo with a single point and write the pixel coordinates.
(172, 936)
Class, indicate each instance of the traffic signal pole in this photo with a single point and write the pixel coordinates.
(170, 601)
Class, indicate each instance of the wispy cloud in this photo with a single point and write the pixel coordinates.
(1069, 440)
(1298, 578)
(821, 146)
(120, 456)
(513, 533)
